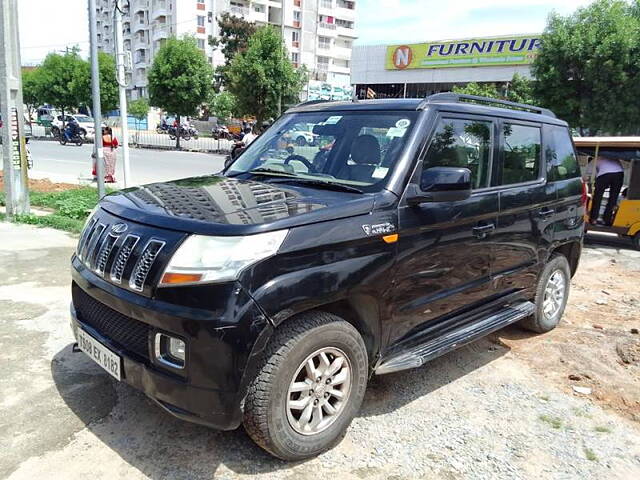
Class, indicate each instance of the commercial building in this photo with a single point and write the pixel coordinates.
(317, 33)
(418, 70)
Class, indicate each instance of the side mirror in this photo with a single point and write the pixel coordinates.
(441, 184)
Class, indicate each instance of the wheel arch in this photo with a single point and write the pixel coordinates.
(571, 251)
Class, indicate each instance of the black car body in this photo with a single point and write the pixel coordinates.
(418, 263)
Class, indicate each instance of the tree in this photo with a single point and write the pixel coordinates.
(139, 109)
(31, 90)
(519, 89)
(478, 89)
(63, 80)
(223, 105)
(233, 38)
(588, 67)
(108, 83)
(263, 74)
(180, 78)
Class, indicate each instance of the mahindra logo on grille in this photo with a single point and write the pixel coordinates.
(119, 228)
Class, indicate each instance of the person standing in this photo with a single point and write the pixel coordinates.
(110, 144)
(609, 175)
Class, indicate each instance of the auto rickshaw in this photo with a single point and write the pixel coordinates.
(626, 220)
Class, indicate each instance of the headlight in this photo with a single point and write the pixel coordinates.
(203, 259)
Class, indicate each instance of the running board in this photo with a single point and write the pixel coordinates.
(420, 354)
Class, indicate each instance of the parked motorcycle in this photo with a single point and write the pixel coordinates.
(162, 128)
(186, 133)
(221, 132)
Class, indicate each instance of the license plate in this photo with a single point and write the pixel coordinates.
(99, 353)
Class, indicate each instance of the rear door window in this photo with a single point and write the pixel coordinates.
(520, 161)
(466, 143)
(562, 163)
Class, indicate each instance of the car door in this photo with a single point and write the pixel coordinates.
(444, 249)
(525, 223)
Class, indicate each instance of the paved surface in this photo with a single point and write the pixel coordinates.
(480, 412)
(68, 163)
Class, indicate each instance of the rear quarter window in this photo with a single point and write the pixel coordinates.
(562, 163)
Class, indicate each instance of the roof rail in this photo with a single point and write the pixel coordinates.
(311, 102)
(461, 98)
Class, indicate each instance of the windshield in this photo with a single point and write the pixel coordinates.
(358, 149)
(83, 119)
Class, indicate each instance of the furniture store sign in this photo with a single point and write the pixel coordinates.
(475, 52)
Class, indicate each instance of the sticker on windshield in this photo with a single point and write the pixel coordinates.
(380, 172)
(333, 120)
(396, 132)
(403, 123)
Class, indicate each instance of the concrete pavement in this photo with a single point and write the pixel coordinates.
(69, 163)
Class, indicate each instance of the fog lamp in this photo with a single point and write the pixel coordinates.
(170, 351)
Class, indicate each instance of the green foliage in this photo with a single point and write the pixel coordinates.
(53, 221)
(180, 77)
(554, 422)
(223, 105)
(479, 89)
(139, 108)
(588, 67)
(233, 38)
(31, 90)
(519, 89)
(261, 74)
(63, 80)
(74, 203)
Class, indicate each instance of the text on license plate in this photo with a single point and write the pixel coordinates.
(99, 353)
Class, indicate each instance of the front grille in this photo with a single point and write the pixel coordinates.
(128, 333)
(127, 254)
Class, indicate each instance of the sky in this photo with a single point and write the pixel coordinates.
(51, 26)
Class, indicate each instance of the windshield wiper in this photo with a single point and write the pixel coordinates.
(319, 183)
(264, 171)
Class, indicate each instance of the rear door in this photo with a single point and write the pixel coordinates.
(527, 207)
(444, 249)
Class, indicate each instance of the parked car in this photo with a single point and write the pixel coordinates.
(269, 294)
(86, 123)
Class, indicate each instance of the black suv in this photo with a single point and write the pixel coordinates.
(268, 294)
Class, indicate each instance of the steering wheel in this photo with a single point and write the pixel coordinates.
(301, 159)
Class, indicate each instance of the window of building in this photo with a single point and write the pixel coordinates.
(326, 3)
(295, 57)
(201, 43)
(561, 158)
(324, 43)
(295, 36)
(297, 15)
(462, 143)
(521, 160)
(200, 21)
(346, 4)
(344, 23)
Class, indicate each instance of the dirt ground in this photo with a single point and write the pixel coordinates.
(505, 407)
(597, 345)
(43, 185)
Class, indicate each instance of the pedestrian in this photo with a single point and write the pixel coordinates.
(109, 144)
(609, 175)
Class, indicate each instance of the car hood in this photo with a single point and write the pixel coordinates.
(216, 205)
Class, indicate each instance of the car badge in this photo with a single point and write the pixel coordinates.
(119, 228)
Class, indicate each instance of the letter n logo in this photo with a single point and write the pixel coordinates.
(402, 57)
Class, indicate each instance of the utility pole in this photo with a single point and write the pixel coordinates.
(14, 151)
(122, 84)
(281, 55)
(95, 93)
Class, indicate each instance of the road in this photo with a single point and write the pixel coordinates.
(72, 164)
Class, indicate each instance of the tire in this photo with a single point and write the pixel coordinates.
(636, 241)
(541, 322)
(79, 142)
(63, 141)
(172, 137)
(83, 133)
(55, 131)
(301, 141)
(267, 417)
(195, 137)
(159, 131)
(186, 138)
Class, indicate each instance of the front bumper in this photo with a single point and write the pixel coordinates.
(221, 347)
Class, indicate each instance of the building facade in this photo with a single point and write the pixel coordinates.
(418, 70)
(317, 33)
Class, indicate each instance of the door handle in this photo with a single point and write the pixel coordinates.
(481, 231)
(546, 213)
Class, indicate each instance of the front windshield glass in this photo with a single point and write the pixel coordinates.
(357, 149)
(83, 119)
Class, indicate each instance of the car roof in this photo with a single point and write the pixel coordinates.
(442, 102)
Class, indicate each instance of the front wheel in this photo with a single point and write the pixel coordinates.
(636, 241)
(552, 293)
(62, 140)
(172, 136)
(301, 141)
(309, 386)
(79, 141)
